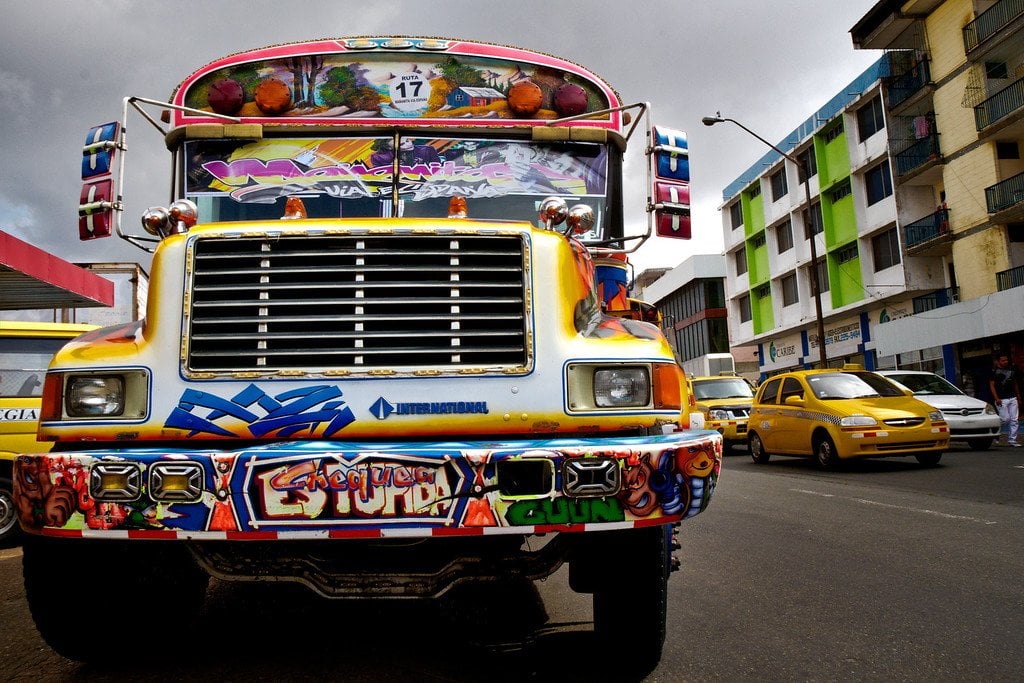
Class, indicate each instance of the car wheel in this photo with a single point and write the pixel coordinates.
(929, 459)
(757, 452)
(8, 514)
(825, 452)
(980, 444)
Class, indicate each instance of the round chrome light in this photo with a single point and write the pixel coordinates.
(580, 219)
(155, 220)
(553, 211)
(184, 214)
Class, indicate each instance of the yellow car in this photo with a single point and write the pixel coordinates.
(724, 401)
(25, 351)
(834, 415)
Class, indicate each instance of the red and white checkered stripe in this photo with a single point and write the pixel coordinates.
(325, 534)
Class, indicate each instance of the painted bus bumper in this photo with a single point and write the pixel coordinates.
(323, 490)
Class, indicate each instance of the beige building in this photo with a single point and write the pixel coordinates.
(954, 109)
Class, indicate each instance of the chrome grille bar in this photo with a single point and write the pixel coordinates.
(343, 302)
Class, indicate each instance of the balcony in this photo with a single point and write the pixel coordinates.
(1008, 279)
(990, 22)
(1005, 195)
(937, 299)
(996, 108)
(929, 236)
(904, 86)
(918, 154)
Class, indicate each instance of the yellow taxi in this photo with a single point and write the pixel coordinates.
(25, 352)
(724, 403)
(833, 415)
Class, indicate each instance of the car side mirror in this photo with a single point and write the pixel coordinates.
(794, 400)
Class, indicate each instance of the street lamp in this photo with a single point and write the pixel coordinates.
(815, 289)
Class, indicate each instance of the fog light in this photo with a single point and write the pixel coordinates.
(179, 482)
(589, 477)
(115, 482)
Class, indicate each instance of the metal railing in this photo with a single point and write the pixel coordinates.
(917, 154)
(1008, 279)
(1009, 192)
(937, 299)
(927, 228)
(989, 22)
(999, 106)
(902, 87)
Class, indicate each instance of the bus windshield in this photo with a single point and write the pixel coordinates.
(336, 177)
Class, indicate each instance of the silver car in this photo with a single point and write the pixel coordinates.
(969, 419)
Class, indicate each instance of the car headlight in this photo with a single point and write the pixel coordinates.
(718, 414)
(989, 410)
(622, 387)
(936, 416)
(858, 421)
(91, 396)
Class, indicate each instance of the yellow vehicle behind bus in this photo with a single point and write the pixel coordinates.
(25, 350)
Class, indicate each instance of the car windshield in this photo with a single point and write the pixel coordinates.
(925, 384)
(363, 177)
(726, 387)
(842, 385)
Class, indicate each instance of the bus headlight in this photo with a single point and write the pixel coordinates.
(114, 394)
(95, 396)
(622, 387)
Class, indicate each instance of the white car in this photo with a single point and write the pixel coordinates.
(969, 419)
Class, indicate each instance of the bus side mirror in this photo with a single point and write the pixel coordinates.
(670, 162)
(96, 202)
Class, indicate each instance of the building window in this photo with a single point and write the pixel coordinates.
(886, 249)
(847, 253)
(741, 261)
(736, 214)
(789, 293)
(764, 291)
(714, 294)
(1007, 150)
(833, 133)
(784, 237)
(878, 182)
(839, 191)
(996, 70)
(870, 119)
(808, 163)
(779, 187)
(812, 221)
(744, 303)
(757, 241)
(755, 190)
(823, 275)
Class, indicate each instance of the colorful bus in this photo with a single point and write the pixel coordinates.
(388, 347)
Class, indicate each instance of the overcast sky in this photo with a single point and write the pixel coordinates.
(66, 66)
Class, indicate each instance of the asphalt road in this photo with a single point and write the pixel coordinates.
(884, 571)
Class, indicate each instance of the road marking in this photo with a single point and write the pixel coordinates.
(923, 511)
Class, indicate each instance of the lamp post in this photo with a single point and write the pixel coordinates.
(815, 289)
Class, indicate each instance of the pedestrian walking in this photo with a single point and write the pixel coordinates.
(1005, 387)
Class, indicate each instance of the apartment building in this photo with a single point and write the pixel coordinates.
(848, 205)
(953, 102)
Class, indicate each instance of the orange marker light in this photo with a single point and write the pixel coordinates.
(294, 208)
(457, 207)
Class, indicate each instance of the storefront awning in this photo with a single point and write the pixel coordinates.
(31, 278)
